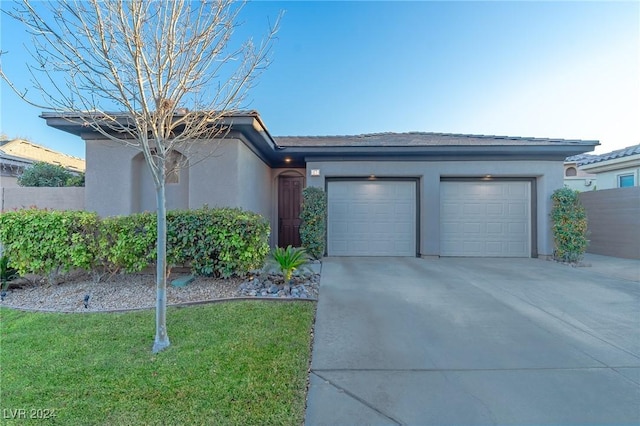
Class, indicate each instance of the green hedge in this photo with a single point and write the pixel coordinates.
(127, 243)
(314, 221)
(215, 242)
(569, 225)
(218, 242)
(43, 242)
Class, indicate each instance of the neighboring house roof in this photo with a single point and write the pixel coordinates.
(614, 160)
(620, 153)
(580, 159)
(21, 151)
(297, 150)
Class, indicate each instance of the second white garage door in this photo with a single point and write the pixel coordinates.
(371, 218)
(485, 219)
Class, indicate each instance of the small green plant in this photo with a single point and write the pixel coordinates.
(569, 224)
(7, 273)
(313, 216)
(289, 260)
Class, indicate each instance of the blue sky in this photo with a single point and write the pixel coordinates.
(540, 69)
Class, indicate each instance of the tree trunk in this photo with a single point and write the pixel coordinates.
(162, 338)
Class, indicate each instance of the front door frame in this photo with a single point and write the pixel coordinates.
(282, 241)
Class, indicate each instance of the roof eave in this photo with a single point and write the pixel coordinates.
(488, 152)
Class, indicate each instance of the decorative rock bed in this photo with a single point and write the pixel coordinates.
(78, 293)
(268, 285)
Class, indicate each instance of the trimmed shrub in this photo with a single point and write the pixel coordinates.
(217, 242)
(313, 228)
(45, 242)
(569, 224)
(127, 243)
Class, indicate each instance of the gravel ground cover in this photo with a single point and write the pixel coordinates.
(138, 291)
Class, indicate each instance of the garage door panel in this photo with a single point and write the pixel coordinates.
(517, 246)
(495, 209)
(379, 220)
(472, 228)
(516, 229)
(485, 219)
(518, 209)
(495, 228)
(471, 209)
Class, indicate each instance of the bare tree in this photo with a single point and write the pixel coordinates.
(170, 68)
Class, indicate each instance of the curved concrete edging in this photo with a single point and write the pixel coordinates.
(172, 305)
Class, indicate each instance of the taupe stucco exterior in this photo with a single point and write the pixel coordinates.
(548, 176)
(218, 174)
(224, 174)
(243, 170)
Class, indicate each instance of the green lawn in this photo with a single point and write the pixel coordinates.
(240, 363)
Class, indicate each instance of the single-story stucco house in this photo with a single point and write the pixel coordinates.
(389, 194)
(615, 169)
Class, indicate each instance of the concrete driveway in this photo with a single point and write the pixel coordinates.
(474, 341)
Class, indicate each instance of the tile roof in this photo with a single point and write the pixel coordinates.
(418, 139)
(580, 159)
(620, 153)
(19, 148)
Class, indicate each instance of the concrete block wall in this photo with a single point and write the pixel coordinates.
(71, 198)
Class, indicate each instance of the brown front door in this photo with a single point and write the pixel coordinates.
(289, 202)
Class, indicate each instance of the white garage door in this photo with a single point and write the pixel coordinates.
(485, 219)
(371, 218)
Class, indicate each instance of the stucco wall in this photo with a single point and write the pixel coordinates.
(9, 182)
(66, 198)
(224, 174)
(581, 183)
(143, 195)
(108, 177)
(214, 176)
(609, 180)
(254, 178)
(548, 176)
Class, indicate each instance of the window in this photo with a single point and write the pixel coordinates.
(625, 181)
(571, 171)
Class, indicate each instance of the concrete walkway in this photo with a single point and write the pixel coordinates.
(474, 341)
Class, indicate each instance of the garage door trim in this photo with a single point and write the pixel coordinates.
(533, 214)
(415, 180)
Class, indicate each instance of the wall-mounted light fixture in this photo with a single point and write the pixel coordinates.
(315, 172)
(287, 160)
